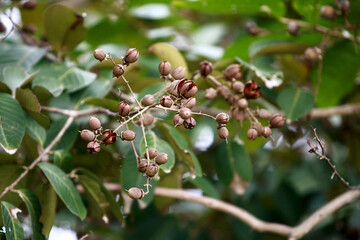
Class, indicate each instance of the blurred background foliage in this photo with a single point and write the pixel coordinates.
(277, 181)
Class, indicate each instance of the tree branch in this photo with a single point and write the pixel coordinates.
(347, 109)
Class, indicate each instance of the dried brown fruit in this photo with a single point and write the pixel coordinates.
(266, 132)
(109, 136)
(277, 121)
(93, 147)
(232, 72)
(152, 170)
(148, 119)
(263, 113)
(189, 123)
(127, 135)
(210, 93)
(142, 165)
(252, 28)
(185, 113)
(99, 54)
(252, 90)
(177, 120)
(136, 193)
(166, 101)
(30, 4)
(94, 123)
(189, 102)
(293, 28)
(328, 12)
(252, 134)
(223, 132)
(178, 73)
(131, 56)
(87, 135)
(118, 70)
(147, 100)
(205, 68)
(237, 86)
(187, 88)
(124, 108)
(222, 118)
(161, 158)
(312, 54)
(243, 103)
(152, 153)
(164, 68)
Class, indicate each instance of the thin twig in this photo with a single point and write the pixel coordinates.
(132, 93)
(133, 146)
(347, 109)
(131, 118)
(145, 141)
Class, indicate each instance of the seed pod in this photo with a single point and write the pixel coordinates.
(124, 108)
(164, 68)
(258, 127)
(210, 93)
(136, 193)
(187, 88)
(223, 132)
(162, 158)
(148, 119)
(344, 6)
(293, 28)
(252, 28)
(173, 89)
(185, 113)
(189, 123)
(238, 114)
(237, 86)
(243, 103)
(313, 54)
(205, 68)
(118, 70)
(177, 120)
(30, 4)
(266, 132)
(87, 135)
(127, 135)
(142, 165)
(252, 90)
(252, 134)
(151, 170)
(224, 92)
(188, 103)
(152, 153)
(99, 54)
(263, 113)
(166, 101)
(328, 12)
(277, 121)
(232, 72)
(109, 137)
(178, 73)
(131, 56)
(147, 100)
(222, 118)
(93, 147)
(94, 123)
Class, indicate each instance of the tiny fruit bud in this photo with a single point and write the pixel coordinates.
(109, 137)
(87, 135)
(205, 68)
(223, 132)
(210, 93)
(188, 103)
(232, 72)
(252, 28)
(222, 118)
(152, 153)
(99, 54)
(266, 132)
(252, 90)
(127, 135)
(185, 113)
(189, 123)
(147, 100)
(136, 193)
(151, 170)
(328, 12)
(142, 165)
(293, 28)
(94, 123)
(237, 86)
(277, 121)
(30, 4)
(93, 147)
(148, 119)
(312, 54)
(177, 120)
(166, 101)
(243, 103)
(118, 70)
(252, 134)
(178, 73)
(164, 68)
(131, 56)
(162, 158)
(263, 113)
(124, 108)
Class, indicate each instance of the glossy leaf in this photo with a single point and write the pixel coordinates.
(12, 123)
(273, 46)
(241, 161)
(64, 188)
(295, 102)
(206, 186)
(35, 130)
(33, 206)
(13, 228)
(27, 100)
(224, 166)
(63, 159)
(13, 77)
(63, 28)
(67, 140)
(18, 55)
(110, 104)
(48, 203)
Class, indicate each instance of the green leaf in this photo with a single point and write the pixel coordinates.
(274, 46)
(224, 167)
(206, 186)
(35, 130)
(98, 89)
(57, 77)
(13, 229)
(130, 176)
(295, 102)
(63, 159)
(63, 28)
(240, 160)
(13, 77)
(69, 136)
(27, 100)
(161, 146)
(33, 205)
(64, 188)
(48, 203)
(110, 104)
(17, 55)
(167, 52)
(12, 123)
